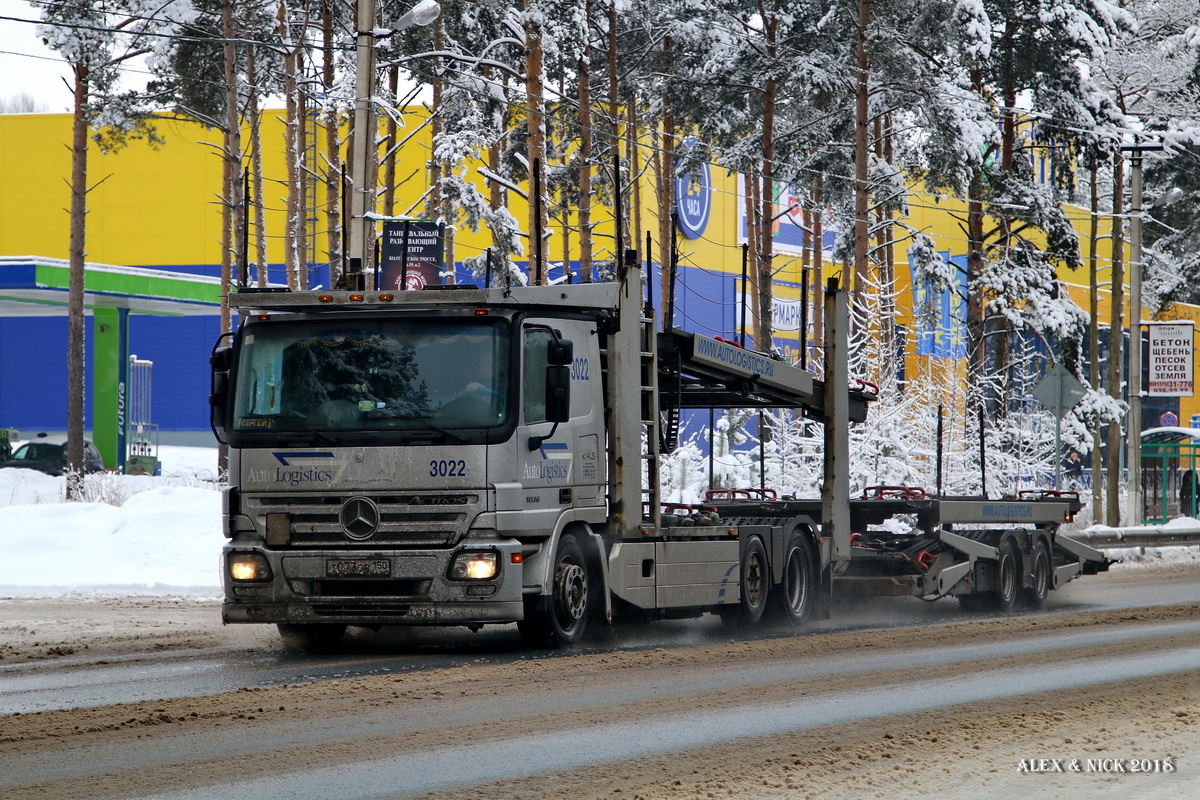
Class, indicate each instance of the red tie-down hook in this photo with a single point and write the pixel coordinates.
(925, 560)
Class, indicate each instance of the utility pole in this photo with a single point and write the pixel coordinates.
(1133, 442)
(361, 247)
(362, 160)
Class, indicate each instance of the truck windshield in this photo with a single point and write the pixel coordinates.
(365, 375)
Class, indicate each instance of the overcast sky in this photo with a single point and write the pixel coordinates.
(28, 66)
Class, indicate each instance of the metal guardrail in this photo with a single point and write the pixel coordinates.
(1142, 536)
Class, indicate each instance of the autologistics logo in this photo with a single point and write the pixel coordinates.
(297, 468)
(693, 194)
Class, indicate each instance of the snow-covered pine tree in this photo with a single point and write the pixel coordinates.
(96, 39)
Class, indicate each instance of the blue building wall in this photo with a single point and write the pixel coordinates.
(33, 370)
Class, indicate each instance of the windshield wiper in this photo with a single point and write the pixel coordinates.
(313, 435)
(439, 429)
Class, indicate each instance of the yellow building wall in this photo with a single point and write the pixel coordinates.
(159, 206)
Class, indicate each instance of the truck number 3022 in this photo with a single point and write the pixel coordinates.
(448, 468)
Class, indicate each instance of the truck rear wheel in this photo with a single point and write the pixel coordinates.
(793, 603)
(560, 618)
(311, 638)
(1035, 595)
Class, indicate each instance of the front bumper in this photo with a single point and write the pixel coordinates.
(402, 588)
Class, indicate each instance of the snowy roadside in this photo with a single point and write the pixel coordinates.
(161, 536)
(143, 535)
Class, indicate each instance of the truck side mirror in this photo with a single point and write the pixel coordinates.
(560, 352)
(558, 393)
(559, 355)
(221, 361)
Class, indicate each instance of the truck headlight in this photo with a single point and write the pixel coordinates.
(475, 566)
(249, 568)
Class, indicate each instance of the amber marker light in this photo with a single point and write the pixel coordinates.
(387, 298)
(356, 298)
(518, 558)
(481, 312)
(325, 298)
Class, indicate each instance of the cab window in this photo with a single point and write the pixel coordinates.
(535, 361)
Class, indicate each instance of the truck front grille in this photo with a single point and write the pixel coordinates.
(414, 520)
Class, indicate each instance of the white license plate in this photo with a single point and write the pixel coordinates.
(358, 567)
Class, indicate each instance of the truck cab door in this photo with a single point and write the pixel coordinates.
(558, 439)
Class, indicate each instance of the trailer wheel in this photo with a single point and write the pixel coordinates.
(1035, 595)
(755, 585)
(559, 618)
(311, 638)
(793, 603)
(1008, 579)
(1007, 584)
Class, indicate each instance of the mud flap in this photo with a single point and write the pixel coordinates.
(823, 602)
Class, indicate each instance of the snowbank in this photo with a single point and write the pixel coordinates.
(162, 536)
(158, 535)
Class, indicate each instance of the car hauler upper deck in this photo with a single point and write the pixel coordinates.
(463, 456)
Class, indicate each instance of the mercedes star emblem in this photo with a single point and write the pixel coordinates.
(359, 518)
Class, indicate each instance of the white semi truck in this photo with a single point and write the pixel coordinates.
(465, 456)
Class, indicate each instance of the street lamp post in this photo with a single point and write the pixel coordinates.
(1133, 443)
(361, 246)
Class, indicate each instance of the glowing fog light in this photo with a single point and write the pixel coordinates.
(249, 567)
(475, 566)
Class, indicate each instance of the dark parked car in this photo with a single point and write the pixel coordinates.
(49, 455)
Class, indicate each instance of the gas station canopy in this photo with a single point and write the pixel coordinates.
(31, 286)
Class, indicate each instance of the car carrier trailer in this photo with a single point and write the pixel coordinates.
(466, 456)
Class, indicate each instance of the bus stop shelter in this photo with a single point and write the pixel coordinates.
(1170, 457)
(32, 286)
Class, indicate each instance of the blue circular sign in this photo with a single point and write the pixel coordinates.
(1168, 420)
(693, 195)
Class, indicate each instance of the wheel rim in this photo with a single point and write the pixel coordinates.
(570, 594)
(755, 580)
(796, 583)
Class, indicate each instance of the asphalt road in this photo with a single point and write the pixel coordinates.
(405, 713)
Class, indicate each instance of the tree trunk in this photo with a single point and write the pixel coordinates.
(976, 345)
(635, 178)
(304, 172)
(389, 162)
(1094, 338)
(747, 309)
(818, 276)
(664, 168)
(254, 121)
(233, 209)
(291, 266)
(333, 160)
(585, 165)
(1116, 349)
(861, 154)
(614, 121)
(536, 142)
(763, 334)
(885, 259)
(75, 287)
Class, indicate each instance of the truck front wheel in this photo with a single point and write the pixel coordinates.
(559, 618)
